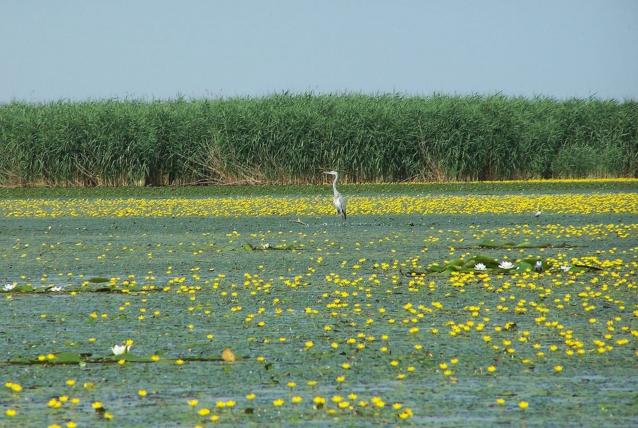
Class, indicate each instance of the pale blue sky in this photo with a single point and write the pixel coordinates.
(78, 49)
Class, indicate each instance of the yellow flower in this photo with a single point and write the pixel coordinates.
(203, 411)
(10, 412)
(228, 355)
(193, 402)
(523, 404)
(377, 401)
(319, 400)
(296, 399)
(54, 403)
(406, 413)
(500, 401)
(558, 368)
(250, 396)
(491, 369)
(278, 402)
(142, 393)
(96, 405)
(15, 387)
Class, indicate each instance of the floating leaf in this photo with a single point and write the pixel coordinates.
(524, 266)
(493, 243)
(269, 246)
(67, 358)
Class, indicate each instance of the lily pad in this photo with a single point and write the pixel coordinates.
(98, 279)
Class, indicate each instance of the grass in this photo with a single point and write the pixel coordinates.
(473, 187)
(172, 282)
(292, 138)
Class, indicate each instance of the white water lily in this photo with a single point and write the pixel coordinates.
(119, 349)
(8, 287)
(538, 265)
(565, 268)
(479, 266)
(56, 288)
(506, 265)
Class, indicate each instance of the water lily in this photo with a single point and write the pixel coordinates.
(506, 265)
(565, 268)
(120, 349)
(538, 266)
(56, 288)
(8, 287)
(479, 266)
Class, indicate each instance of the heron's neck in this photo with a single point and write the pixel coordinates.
(334, 186)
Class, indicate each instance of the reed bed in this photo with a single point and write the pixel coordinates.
(291, 139)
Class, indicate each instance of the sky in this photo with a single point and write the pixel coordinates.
(94, 49)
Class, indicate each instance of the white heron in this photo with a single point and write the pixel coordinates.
(338, 200)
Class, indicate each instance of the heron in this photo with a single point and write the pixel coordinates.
(338, 200)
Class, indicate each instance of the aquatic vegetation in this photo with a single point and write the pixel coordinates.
(316, 206)
(257, 320)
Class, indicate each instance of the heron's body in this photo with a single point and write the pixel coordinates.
(338, 200)
(340, 204)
